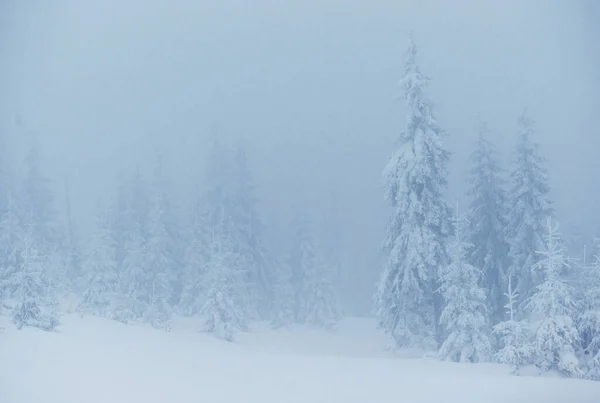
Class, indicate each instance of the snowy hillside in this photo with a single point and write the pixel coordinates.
(91, 360)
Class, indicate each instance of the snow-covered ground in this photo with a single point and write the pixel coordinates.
(91, 360)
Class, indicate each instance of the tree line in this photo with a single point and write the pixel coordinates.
(495, 283)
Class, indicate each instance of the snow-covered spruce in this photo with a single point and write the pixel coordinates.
(100, 272)
(487, 223)
(34, 292)
(589, 321)
(529, 207)
(162, 258)
(227, 309)
(283, 314)
(552, 310)
(407, 307)
(515, 337)
(315, 299)
(464, 316)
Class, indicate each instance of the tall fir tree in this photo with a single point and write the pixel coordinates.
(315, 301)
(227, 309)
(529, 207)
(248, 227)
(407, 306)
(552, 309)
(37, 202)
(162, 261)
(100, 272)
(11, 246)
(488, 220)
(34, 290)
(514, 335)
(588, 322)
(464, 316)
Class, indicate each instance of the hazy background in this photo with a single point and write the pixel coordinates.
(309, 85)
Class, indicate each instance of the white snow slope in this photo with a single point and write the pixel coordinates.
(90, 360)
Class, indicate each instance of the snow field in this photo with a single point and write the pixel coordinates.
(92, 360)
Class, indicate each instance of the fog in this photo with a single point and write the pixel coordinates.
(309, 86)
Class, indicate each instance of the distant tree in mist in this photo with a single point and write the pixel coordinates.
(529, 207)
(588, 321)
(415, 177)
(553, 307)
(227, 309)
(487, 223)
(100, 272)
(315, 301)
(464, 315)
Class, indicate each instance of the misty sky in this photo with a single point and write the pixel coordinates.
(311, 86)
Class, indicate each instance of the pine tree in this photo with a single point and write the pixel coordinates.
(11, 247)
(248, 227)
(552, 310)
(464, 313)
(227, 307)
(589, 320)
(315, 301)
(162, 258)
(284, 297)
(33, 287)
(488, 212)
(100, 272)
(517, 349)
(529, 208)
(406, 306)
(36, 202)
(320, 305)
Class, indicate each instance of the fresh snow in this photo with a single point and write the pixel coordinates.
(94, 360)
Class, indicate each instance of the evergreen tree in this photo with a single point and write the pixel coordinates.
(34, 291)
(215, 201)
(11, 247)
(315, 301)
(100, 272)
(406, 306)
(284, 297)
(552, 310)
(162, 258)
(488, 212)
(36, 202)
(464, 313)
(529, 208)
(320, 305)
(517, 349)
(227, 308)
(589, 320)
(248, 237)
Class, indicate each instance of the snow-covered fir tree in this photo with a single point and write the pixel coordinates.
(589, 320)
(248, 235)
(100, 272)
(321, 308)
(315, 300)
(529, 207)
(11, 246)
(206, 216)
(37, 202)
(34, 291)
(134, 280)
(162, 259)
(514, 335)
(227, 309)
(407, 306)
(553, 307)
(487, 223)
(284, 297)
(464, 315)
